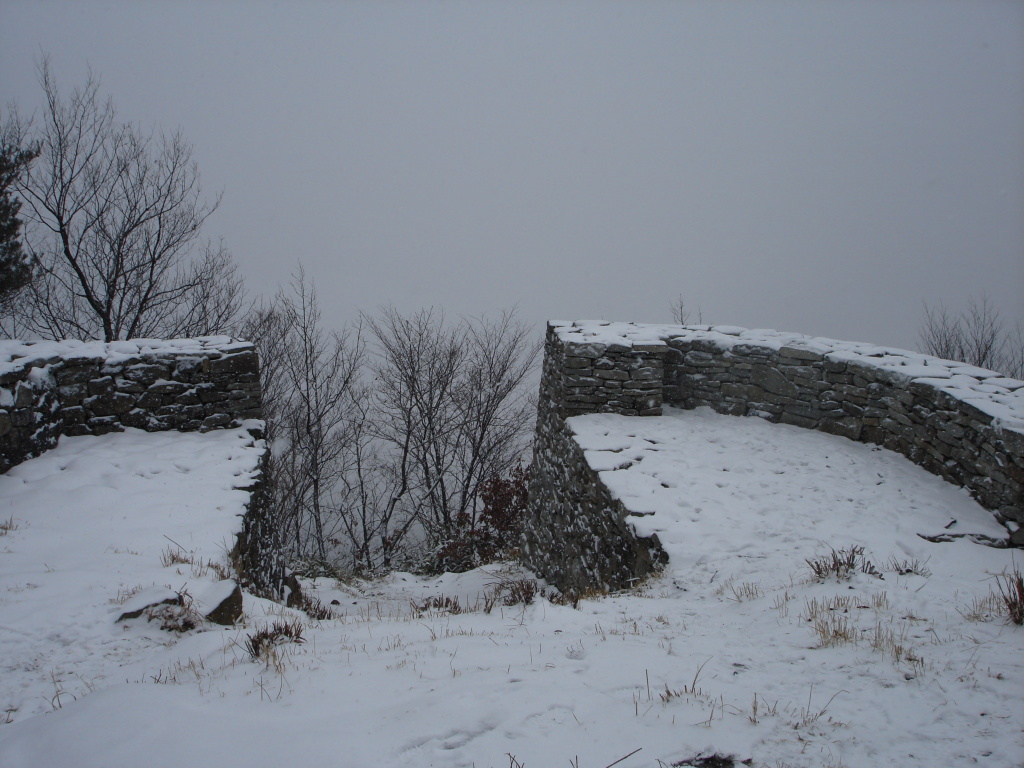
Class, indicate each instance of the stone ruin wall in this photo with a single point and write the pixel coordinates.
(959, 422)
(49, 389)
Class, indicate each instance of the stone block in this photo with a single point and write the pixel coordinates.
(731, 408)
(73, 415)
(749, 392)
(25, 395)
(188, 397)
(699, 359)
(592, 351)
(753, 350)
(79, 373)
(146, 373)
(112, 404)
(140, 418)
(102, 386)
(185, 368)
(103, 425)
(797, 420)
(209, 393)
(844, 427)
(129, 387)
(800, 353)
(214, 421)
(645, 374)
(22, 417)
(770, 380)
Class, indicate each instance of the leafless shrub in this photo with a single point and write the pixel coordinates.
(834, 629)
(686, 690)
(313, 608)
(521, 592)
(179, 556)
(197, 567)
(810, 715)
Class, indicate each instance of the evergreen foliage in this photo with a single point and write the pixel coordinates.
(15, 271)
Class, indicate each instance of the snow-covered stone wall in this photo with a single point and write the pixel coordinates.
(77, 388)
(962, 423)
(49, 389)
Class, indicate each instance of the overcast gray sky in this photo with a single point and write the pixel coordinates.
(822, 167)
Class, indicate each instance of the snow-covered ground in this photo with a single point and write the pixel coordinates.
(716, 656)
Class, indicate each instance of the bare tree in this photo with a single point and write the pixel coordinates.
(495, 413)
(681, 312)
(115, 221)
(374, 491)
(267, 325)
(318, 371)
(976, 336)
(451, 408)
(377, 457)
(416, 371)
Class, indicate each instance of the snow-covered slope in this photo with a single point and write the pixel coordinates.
(716, 656)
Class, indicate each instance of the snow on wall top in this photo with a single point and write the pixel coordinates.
(15, 355)
(996, 395)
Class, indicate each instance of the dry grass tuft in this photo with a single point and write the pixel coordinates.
(197, 568)
(746, 591)
(438, 604)
(1011, 595)
(841, 564)
(262, 643)
(982, 609)
(907, 566)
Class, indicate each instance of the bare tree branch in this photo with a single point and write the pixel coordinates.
(116, 217)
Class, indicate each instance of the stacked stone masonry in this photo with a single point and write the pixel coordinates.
(90, 388)
(49, 389)
(962, 423)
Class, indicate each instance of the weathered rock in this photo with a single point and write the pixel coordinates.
(149, 598)
(220, 603)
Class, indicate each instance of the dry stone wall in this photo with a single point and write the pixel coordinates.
(49, 389)
(576, 535)
(90, 388)
(962, 423)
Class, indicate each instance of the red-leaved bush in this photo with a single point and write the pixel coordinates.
(494, 534)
